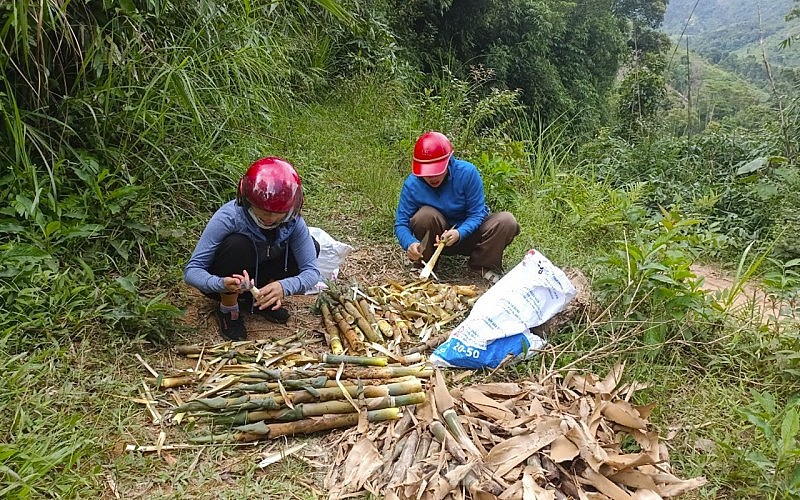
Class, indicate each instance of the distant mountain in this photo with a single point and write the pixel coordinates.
(712, 16)
(729, 33)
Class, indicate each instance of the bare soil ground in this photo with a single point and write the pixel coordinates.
(751, 303)
(376, 264)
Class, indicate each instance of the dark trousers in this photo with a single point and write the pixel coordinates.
(237, 253)
(485, 246)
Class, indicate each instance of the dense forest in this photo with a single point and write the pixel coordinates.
(126, 123)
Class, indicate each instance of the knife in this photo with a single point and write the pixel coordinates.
(424, 241)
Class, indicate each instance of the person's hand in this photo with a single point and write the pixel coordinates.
(414, 252)
(450, 237)
(270, 295)
(237, 283)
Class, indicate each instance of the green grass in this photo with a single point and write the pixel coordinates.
(75, 314)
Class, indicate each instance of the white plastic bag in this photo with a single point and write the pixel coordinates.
(500, 321)
(332, 254)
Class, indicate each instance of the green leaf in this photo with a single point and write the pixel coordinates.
(794, 477)
(663, 279)
(752, 166)
(127, 284)
(52, 227)
(789, 428)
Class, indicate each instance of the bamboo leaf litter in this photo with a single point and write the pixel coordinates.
(550, 436)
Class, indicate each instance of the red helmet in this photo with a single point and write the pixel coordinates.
(431, 154)
(271, 184)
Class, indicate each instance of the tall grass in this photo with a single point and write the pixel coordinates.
(122, 120)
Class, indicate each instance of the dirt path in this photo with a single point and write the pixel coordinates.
(751, 303)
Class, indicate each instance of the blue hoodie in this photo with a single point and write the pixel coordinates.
(459, 198)
(232, 218)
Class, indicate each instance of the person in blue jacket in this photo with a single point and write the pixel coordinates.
(258, 240)
(443, 199)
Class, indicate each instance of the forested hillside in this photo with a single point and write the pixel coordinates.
(125, 124)
(729, 33)
(709, 16)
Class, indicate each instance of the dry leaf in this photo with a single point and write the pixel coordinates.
(634, 479)
(280, 455)
(612, 380)
(513, 451)
(562, 450)
(532, 491)
(487, 405)
(629, 460)
(515, 491)
(590, 450)
(605, 485)
(681, 487)
(499, 388)
(645, 410)
(623, 413)
(646, 495)
(582, 383)
(455, 476)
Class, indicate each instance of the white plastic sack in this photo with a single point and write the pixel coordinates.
(332, 254)
(500, 321)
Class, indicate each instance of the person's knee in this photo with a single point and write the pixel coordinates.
(507, 223)
(236, 242)
(234, 250)
(425, 214)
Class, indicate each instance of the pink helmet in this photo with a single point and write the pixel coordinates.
(431, 154)
(272, 184)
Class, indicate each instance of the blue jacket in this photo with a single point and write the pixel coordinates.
(459, 198)
(232, 218)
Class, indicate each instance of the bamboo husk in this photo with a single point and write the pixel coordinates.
(312, 383)
(305, 426)
(454, 424)
(241, 347)
(447, 441)
(306, 410)
(430, 344)
(334, 341)
(405, 460)
(428, 269)
(424, 445)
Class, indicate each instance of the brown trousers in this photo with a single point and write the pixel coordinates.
(484, 247)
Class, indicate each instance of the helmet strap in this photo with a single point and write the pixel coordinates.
(241, 199)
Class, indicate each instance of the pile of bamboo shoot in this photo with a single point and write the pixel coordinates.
(391, 315)
(255, 390)
(550, 439)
